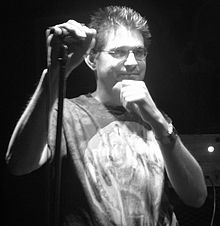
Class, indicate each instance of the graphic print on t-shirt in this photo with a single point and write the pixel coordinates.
(125, 173)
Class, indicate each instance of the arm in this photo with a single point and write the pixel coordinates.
(183, 170)
(27, 149)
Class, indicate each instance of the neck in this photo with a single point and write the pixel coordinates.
(107, 97)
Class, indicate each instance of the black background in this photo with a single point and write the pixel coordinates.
(182, 76)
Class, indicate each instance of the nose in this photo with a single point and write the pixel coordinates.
(130, 60)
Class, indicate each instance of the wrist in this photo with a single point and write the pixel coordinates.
(167, 136)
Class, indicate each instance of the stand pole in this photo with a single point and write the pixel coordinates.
(57, 166)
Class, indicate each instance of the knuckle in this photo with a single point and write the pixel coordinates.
(71, 21)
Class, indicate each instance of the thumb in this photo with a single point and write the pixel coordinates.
(92, 38)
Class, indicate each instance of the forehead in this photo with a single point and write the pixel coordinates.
(123, 36)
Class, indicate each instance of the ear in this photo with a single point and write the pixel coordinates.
(90, 61)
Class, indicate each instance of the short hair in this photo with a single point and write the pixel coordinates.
(113, 17)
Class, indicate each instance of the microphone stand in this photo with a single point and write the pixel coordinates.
(57, 164)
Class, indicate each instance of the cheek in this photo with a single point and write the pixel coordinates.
(143, 69)
(107, 67)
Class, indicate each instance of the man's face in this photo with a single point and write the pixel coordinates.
(110, 69)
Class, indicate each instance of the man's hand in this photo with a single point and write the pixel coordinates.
(136, 97)
(78, 38)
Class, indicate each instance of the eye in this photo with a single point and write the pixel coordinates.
(140, 52)
(120, 53)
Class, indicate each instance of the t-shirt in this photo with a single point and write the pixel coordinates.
(112, 167)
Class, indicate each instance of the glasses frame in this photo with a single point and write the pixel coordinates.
(113, 52)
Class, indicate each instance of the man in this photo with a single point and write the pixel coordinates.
(116, 143)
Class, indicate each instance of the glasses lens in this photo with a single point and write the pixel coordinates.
(140, 53)
(122, 53)
(119, 53)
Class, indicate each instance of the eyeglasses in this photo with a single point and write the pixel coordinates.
(122, 53)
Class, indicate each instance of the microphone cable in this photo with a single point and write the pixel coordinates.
(214, 199)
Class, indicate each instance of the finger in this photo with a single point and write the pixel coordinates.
(92, 41)
(128, 94)
(58, 30)
(89, 31)
(81, 27)
(75, 27)
(134, 90)
(133, 98)
(127, 82)
(68, 28)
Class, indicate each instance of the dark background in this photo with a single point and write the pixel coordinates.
(182, 76)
